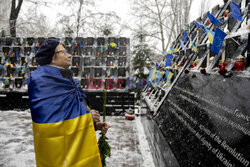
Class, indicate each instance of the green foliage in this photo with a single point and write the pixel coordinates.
(143, 56)
(104, 148)
(3, 33)
(107, 31)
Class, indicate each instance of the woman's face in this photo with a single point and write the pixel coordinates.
(61, 57)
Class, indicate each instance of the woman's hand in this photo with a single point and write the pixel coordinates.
(102, 126)
(95, 115)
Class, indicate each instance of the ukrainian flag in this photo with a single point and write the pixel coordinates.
(64, 134)
(210, 35)
(152, 74)
(169, 76)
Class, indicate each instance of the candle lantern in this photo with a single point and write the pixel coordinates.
(239, 65)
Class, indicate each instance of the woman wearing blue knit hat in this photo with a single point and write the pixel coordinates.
(63, 124)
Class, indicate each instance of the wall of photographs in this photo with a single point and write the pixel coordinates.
(96, 62)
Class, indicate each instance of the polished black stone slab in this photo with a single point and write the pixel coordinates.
(206, 120)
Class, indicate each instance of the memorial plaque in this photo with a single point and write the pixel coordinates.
(86, 72)
(90, 41)
(30, 41)
(100, 41)
(123, 41)
(121, 72)
(122, 51)
(75, 61)
(98, 72)
(206, 120)
(122, 61)
(75, 71)
(40, 40)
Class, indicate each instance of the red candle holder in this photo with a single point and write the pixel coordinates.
(240, 64)
(222, 65)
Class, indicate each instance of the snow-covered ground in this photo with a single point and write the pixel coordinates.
(127, 140)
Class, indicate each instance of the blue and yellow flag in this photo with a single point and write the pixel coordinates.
(210, 35)
(235, 11)
(64, 134)
(17, 55)
(21, 40)
(26, 58)
(194, 47)
(184, 27)
(173, 50)
(218, 40)
(158, 75)
(69, 44)
(152, 74)
(169, 76)
(213, 19)
(3, 59)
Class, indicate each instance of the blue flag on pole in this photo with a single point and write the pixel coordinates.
(169, 58)
(185, 36)
(235, 10)
(218, 40)
(213, 19)
(198, 25)
(152, 74)
(194, 47)
(157, 65)
(182, 44)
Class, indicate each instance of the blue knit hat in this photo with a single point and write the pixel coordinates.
(46, 51)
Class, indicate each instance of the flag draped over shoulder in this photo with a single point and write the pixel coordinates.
(63, 129)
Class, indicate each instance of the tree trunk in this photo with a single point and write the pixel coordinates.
(161, 27)
(79, 18)
(13, 16)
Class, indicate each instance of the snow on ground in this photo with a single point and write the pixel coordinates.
(127, 140)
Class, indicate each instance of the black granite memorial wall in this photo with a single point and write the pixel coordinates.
(203, 117)
(206, 125)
